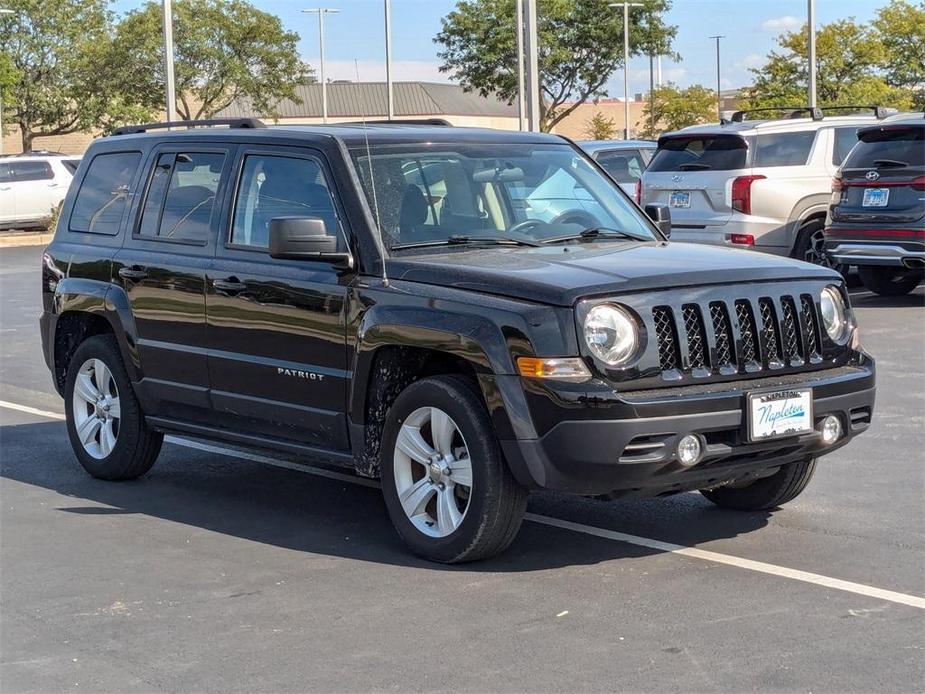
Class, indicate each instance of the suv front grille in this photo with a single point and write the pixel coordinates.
(766, 333)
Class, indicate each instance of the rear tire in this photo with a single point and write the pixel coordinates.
(810, 247)
(768, 492)
(104, 420)
(445, 482)
(889, 281)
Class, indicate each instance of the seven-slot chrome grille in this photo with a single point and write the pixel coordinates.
(741, 336)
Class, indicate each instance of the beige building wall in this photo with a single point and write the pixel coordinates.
(574, 125)
(75, 143)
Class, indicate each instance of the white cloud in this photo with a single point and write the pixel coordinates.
(785, 23)
(752, 60)
(374, 70)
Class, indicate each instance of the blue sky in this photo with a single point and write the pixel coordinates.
(750, 27)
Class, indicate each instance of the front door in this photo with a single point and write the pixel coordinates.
(162, 267)
(277, 335)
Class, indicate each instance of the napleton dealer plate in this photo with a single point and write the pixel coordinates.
(779, 413)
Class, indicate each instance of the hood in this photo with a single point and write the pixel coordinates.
(562, 274)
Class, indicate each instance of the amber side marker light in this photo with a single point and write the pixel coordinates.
(565, 369)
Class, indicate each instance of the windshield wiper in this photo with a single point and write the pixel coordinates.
(462, 240)
(597, 233)
(890, 163)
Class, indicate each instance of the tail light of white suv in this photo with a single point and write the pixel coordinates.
(742, 192)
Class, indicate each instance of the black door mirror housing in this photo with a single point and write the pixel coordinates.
(660, 213)
(305, 238)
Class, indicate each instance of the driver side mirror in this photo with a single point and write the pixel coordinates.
(305, 238)
(659, 213)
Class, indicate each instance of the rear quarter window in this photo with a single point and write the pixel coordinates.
(784, 149)
(31, 171)
(104, 193)
(700, 153)
(899, 147)
(845, 139)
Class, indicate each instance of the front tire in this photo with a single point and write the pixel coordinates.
(104, 420)
(445, 482)
(889, 281)
(767, 492)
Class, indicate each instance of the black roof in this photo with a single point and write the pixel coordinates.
(351, 134)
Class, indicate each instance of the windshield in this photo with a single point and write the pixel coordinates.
(700, 153)
(896, 146)
(445, 193)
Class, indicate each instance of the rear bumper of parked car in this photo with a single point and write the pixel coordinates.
(751, 233)
(629, 447)
(857, 246)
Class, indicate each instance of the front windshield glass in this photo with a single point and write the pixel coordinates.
(531, 193)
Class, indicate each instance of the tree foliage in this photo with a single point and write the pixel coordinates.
(224, 50)
(599, 127)
(850, 61)
(53, 62)
(901, 29)
(672, 108)
(580, 46)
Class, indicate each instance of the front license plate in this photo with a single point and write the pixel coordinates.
(779, 413)
(679, 198)
(876, 197)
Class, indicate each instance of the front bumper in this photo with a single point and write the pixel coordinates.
(635, 453)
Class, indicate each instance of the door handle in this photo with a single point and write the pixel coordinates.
(132, 273)
(230, 285)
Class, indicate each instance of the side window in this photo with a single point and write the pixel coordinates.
(784, 149)
(6, 175)
(181, 197)
(104, 192)
(278, 186)
(845, 139)
(626, 165)
(31, 171)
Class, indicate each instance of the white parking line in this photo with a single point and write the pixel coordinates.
(692, 552)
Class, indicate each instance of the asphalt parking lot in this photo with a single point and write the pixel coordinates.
(227, 572)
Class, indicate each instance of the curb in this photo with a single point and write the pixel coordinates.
(25, 239)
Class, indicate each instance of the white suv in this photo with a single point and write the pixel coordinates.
(32, 186)
(763, 185)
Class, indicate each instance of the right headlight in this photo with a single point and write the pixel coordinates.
(834, 313)
(611, 334)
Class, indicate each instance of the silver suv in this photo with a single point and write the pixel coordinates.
(758, 184)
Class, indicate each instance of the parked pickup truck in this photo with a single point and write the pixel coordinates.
(399, 299)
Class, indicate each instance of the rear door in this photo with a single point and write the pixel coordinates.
(277, 328)
(883, 178)
(162, 268)
(7, 203)
(33, 184)
(690, 174)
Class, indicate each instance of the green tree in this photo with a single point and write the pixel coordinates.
(676, 108)
(224, 50)
(900, 27)
(848, 55)
(599, 127)
(580, 46)
(56, 75)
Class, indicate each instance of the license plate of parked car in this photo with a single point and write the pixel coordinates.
(679, 198)
(875, 197)
(779, 413)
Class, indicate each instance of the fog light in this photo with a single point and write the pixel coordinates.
(689, 449)
(830, 429)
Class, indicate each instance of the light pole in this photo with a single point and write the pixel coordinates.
(626, 62)
(532, 65)
(719, 101)
(811, 22)
(171, 96)
(390, 96)
(519, 24)
(322, 11)
(2, 12)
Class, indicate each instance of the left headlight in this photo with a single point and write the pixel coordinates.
(611, 334)
(834, 313)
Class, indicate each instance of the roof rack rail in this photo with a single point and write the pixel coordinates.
(230, 122)
(401, 121)
(795, 112)
(880, 112)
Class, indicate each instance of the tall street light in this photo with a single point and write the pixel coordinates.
(390, 96)
(2, 12)
(811, 22)
(519, 28)
(171, 96)
(719, 101)
(322, 11)
(626, 62)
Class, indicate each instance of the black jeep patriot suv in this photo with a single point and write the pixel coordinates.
(466, 314)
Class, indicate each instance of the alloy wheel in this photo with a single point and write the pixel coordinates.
(96, 409)
(433, 472)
